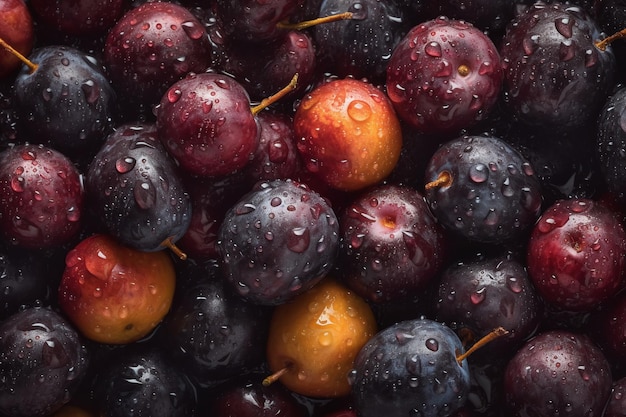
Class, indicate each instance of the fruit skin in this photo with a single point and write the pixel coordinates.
(444, 75)
(135, 190)
(557, 373)
(16, 30)
(477, 296)
(67, 102)
(278, 241)
(554, 74)
(410, 368)
(348, 134)
(79, 18)
(576, 254)
(41, 197)
(317, 336)
(493, 195)
(205, 122)
(40, 353)
(150, 47)
(143, 382)
(611, 139)
(391, 245)
(210, 332)
(114, 294)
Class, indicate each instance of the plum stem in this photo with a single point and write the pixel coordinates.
(314, 22)
(266, 102)
(493, 335)
(30, 64)
(269, 380)
(169, 243)
(602, 44)
(444, 179)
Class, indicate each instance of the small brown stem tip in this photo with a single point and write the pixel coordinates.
(30, 64)
(315, 22)
(491, 336)
(444, 179)
(275, 376)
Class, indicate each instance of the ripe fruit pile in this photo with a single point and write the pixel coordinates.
(312, 208)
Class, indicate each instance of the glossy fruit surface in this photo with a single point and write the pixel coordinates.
(444, 75)
(576, 254)
(40, 352)
(114, 294)
(134, 188)
(67, 102)
(392, 246)
(316, 337)
(488, 192)
(410, 368)
(42, 197)
(349, 135)
(554, 74)
(150, 47)
(205, 122)
(557, 372)
(17, 31)
(277, 241)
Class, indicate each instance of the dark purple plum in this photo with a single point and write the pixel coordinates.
(481, 188)
(135, 191)
(607, 326)
(491, 16)
(611, 140)
(42, 362)
(211, 333)
(278, 241)
(254, 21)
(246, 396)
(41, 197)
(617, 403)
(577, 254)
(475, 297)
(143, 382)
(78, 17)
(67, 102)
(25, 279)
(150, 47)
(276, 156)
(410, 369)
(210, 200)
(206, 123)
(273, 65)
(554, 73)
(360, 47)
(391, 245)
(557, 373)
(443, 76)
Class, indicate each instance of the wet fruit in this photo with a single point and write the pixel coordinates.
(314, 338)
(114, 294)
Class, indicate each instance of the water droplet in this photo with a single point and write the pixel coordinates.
(193, 30)
(298, 239)
(479, 173)
(124, 165)
(123, 312)
(359, 110)
(564, 26)
(433, 49)
(17, 184)
(506, 188)
(46, 94)
(566, 50)
(325, 339)
(514, 284)
(244, 209)
(91, 91)
(145, 194)
(478, 296)
(432, 344)
(173, 95)
(491, 219)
